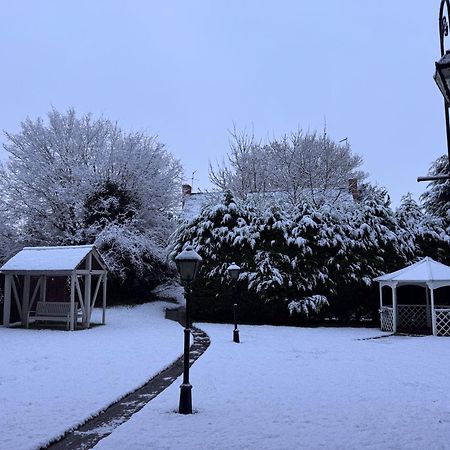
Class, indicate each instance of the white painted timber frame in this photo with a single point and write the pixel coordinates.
(18, 282)
(428, 274)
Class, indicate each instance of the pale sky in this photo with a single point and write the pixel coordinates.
(188, 70)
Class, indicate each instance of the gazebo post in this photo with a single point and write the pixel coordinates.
(381, 296)
(104, 300)
(433, 313)
(26, 299)
(427, 300)
(7, 304)
(72, 300)
(394, 307)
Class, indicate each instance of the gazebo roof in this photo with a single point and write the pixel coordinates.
(426, 271)
(49, 259)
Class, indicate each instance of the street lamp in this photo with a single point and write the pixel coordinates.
(442, 78)
(233, 270)
(188, 262)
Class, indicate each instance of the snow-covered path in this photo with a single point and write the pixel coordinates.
(292, 388)
(52, 380)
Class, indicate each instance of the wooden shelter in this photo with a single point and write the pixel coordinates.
(71, 274)
(428, 274)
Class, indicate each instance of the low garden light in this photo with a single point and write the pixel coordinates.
(188, 263)
(234, 270)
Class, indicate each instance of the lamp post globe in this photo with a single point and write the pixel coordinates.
(188, 263)
(442, 76)
(234, 270)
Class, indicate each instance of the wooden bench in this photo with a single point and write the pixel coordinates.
(53, 312)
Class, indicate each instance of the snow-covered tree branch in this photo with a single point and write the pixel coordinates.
(75, 179)
(298, 166)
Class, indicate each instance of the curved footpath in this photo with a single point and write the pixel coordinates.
(87, 435)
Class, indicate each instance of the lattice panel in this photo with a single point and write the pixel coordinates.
(443, 322)
(412, 316)
(387, 319)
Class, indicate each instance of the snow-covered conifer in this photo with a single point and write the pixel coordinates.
(436, 198)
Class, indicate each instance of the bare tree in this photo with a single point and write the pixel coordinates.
(298, 166)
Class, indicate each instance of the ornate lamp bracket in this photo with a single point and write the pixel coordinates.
(443, 23)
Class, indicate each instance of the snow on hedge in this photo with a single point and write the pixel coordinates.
(310, 251)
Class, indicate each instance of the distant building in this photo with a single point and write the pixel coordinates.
(193, 202)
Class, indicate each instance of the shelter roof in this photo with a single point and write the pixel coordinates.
(48, 259)
(427, 270)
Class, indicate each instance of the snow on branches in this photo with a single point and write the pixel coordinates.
(300, 166)
(306, 256)
(75, 179)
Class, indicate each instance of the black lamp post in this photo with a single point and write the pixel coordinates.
(234, 270)
(442, 78)
(188, 262)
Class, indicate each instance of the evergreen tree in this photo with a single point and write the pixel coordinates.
(436, 198)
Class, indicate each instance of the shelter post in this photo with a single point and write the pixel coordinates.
(104, 300)
(433, 313)
(43, 291)
(394, 307)
(87, 291)
(27, 279)
(26, 299)
(7, 301)
(72, 300)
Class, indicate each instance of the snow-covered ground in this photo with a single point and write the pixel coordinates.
(293, 388)
(52, 380)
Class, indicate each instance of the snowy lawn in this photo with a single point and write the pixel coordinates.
(52, 380)
(299, 388)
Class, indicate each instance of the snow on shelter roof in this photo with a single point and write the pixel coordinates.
(427, 270)
(47, 259)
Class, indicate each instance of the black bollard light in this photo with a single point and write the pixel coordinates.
(188, 262)
(234, 271)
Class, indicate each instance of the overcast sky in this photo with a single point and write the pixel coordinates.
(188, 70)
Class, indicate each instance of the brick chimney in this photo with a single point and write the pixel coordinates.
(353, 189)
(186, 189)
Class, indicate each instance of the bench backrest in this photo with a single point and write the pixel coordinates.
(57, 309)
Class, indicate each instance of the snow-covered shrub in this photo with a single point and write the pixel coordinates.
(308, 305)
(137, 262)
(288, 254)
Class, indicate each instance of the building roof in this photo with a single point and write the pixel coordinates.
(48, 259)
(193, 204)
(426, 271)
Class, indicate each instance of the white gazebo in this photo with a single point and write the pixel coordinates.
(74, 274)
(430, 275)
